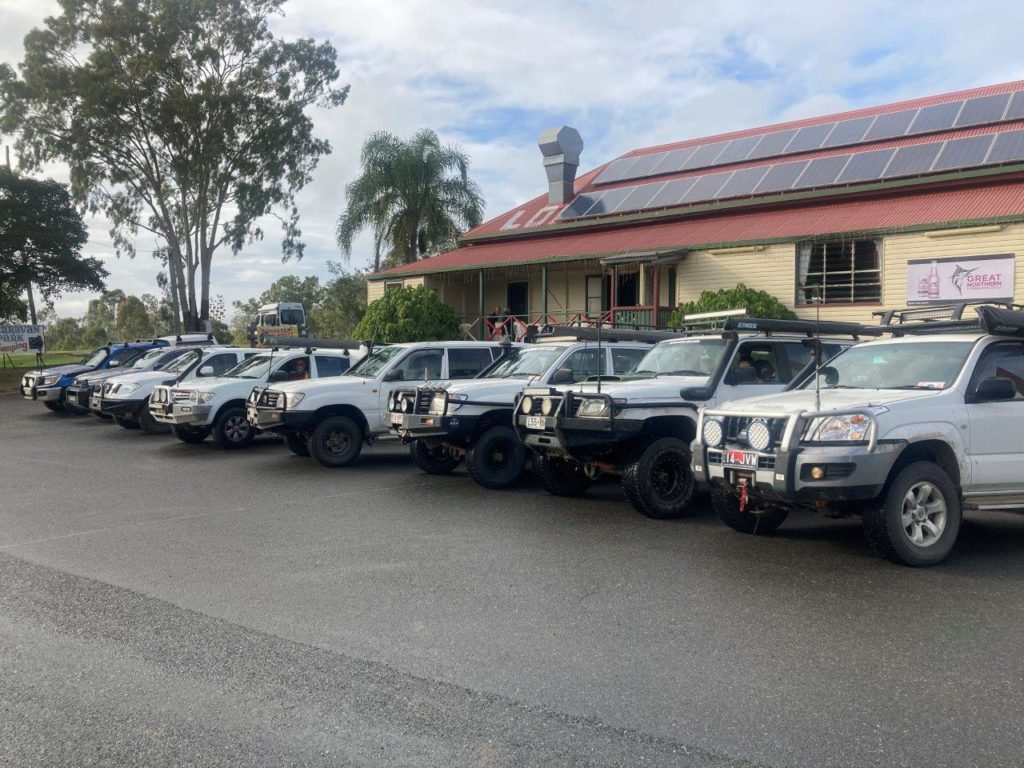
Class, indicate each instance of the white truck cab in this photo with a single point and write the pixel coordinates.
(331, 420)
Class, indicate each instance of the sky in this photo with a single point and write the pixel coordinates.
(491, 76)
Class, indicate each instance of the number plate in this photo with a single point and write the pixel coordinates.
(535, 422)
(396, 418)
(741, 459)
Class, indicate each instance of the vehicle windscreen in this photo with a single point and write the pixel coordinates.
(255, 367)
(148, 359)
(374, 363)
(687, 357)
(182, 363)
(918, 365)
(525, 363)
(291, 317)
(95, 358)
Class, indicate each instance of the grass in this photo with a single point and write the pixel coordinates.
(10, 378)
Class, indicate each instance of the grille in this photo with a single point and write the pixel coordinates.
(423, 398)
(714, 457)
(181, 395)
(271, 399)
(735, 429)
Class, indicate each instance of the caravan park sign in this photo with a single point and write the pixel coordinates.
(945, 281)
(21, 338)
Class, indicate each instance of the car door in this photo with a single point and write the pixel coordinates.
(996, 440)
(466, 362)
(755, 369)
(413, 370)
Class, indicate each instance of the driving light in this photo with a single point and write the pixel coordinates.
(712, 432)
(547, 405)
(527, 406)
(817, 473)
(759, 436)
(407, 405)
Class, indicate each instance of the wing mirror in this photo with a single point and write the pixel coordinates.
(562, 376)
(696, 393)
(113, 364)
(206, 370)
(395, 374)
(995, 390)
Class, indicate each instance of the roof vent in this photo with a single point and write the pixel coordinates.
(561, 148)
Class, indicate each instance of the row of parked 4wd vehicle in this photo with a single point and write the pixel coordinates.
(907, 423)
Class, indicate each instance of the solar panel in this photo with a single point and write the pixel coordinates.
(609, 201)
(772, 144)
(743, 182)
(781, 176)
(644, 165)
(638, 197)
(580, 205)
(704, 155)
(1016, 109)
(984, 109)
(963, 153)
(809, 137)
(615, 171)
(890, 125)
(821, 172)
(737, 150)
(705, 187)
(1007, 147)
(866, 166)
(848, 131)
(671, 193)
(673, 161)
(937, 117)
(910, 161)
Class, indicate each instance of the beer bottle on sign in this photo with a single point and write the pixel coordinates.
(933, 282)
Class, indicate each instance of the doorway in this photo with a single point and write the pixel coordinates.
(517, 297)
(627, 290)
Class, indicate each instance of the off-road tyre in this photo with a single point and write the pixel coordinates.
(660, 483)
(336, 441)
(889, 523)
(297, 443)
(148, 424)
(559, 477)
(497, 459)
(232, 428)
(124, 423)
(189, 434)
(433, 461)
(751, 520)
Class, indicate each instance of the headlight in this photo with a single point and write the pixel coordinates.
(127, 389)
(46, 381)
(527, 405)
(712, 432)
(294, 398)
(844, 428)
(593, 408)
(207, 397)
(437, 403)
(547, 405)
(759, 436)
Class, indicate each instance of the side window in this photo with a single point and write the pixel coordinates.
(123, 356)
(467, 362)
(219, 363)
(755, 363)
(247, 355)
(294, 370)
(422, 365)
(584, 364)
(625, 360)
(1004, 361)
(330, 365)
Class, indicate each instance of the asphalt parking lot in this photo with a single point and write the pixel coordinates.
(165, 604)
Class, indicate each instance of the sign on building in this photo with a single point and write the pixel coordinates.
(944, 281)
(21, 338)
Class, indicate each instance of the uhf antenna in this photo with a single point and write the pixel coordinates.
(599, 358)
(817, 352)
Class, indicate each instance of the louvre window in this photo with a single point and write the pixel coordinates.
(840, 271)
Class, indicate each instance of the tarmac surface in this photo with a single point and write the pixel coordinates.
(166, 604)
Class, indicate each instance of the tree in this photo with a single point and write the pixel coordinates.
(182, 118)
(64, 334)
(342, 306)
(132, 320)
(757, 303)
(41, 239)
(100, 318)
(408, 314)
(416, 196)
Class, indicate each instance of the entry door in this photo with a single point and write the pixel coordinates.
(518, 299)
(996, 439)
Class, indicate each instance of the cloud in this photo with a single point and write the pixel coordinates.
(491, 76)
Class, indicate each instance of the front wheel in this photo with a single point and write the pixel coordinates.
(124, 423)
(53, 405)
(148, 424)
(918, 520)
(232, 429)
(190, 435)
(337, 441)
(660, 484)
(559, 477)
(433, 461)
(497, 459)
(296, 442)
(751, 519)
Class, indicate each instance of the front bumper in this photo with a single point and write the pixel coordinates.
(181, 414)
(420, 426)
(127, 409)
(77, 398)
(50, 394)
(576, 437)
(277, 420)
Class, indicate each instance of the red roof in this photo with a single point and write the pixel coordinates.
(960, 206)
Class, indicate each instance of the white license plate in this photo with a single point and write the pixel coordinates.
(396, 418)
(535, 422)
(741, 459)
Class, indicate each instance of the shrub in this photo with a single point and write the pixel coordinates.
(408, 314)
(757, 304)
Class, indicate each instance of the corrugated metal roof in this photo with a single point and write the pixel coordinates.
(961, 206)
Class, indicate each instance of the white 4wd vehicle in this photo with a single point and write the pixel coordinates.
(126, 396)
(473, 420)
(332, 420)
(641, 426)
(907, 431)
(216, 406)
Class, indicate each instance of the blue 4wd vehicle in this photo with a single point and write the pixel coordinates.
(50, 384)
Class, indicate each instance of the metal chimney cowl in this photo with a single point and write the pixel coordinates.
(561, 148)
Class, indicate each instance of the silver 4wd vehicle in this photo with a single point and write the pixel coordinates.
(641, 426)
(907, 431)
(216, 406)
(332, 420)
(126, 397)
(88, 386)
(473, 420)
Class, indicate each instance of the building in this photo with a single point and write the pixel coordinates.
(919, 201)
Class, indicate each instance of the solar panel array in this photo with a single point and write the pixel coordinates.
(982, 110)
(856, 167)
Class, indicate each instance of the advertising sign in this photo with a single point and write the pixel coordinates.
(267, 333)
(945, 281)
(21, 338)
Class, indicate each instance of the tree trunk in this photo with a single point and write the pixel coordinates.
(31, 302)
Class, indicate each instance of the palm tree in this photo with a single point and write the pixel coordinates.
(416, 195)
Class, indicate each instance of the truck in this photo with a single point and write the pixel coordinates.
(640, 427)
(472, 420)
(908, 431)
(331, 420)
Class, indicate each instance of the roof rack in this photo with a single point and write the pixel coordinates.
(809, 328)
(300, 341)
(709, 322)
(590, 333)
(934, 313)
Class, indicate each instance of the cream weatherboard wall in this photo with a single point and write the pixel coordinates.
(375, 288)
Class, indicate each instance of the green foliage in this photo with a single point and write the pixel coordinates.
(757, 303)
(415, 195)
(133, 321)
(41, 239)
(408, 314)
(64, 333)
(183, 118)
(342, 306)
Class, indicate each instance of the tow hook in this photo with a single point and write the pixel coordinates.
(592, 471)
(743, 495)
